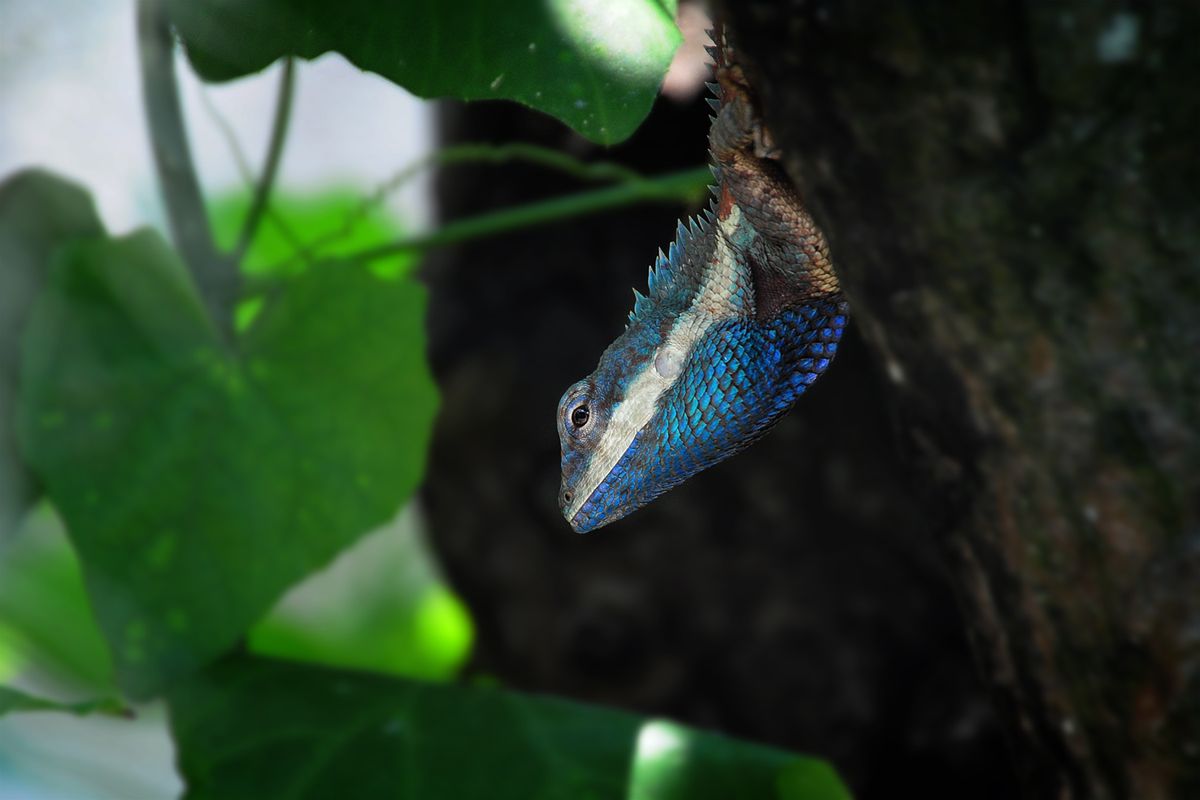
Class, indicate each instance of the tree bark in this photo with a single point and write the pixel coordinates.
(793, 595)
(1010, 192)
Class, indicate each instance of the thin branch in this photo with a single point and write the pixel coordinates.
(474, 153)
(675, 187)
(279, 126)
(545, 156)
(243, 167)
(229, 135)
(216, 276)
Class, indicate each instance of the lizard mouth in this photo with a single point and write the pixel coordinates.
(589, 516)
(582, 521)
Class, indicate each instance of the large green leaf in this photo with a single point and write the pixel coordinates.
(594, 64)
(256, 728)
(38, 211)
(199, 481)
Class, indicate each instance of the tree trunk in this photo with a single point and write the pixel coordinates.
(1010, 192)
(793, 595)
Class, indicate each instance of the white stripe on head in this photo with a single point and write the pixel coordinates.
(713, 302)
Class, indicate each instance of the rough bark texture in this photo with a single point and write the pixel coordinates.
(1010, 190)
(793, 595)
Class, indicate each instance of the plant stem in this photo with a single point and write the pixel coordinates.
(243, 167)
(216, 276)
(675, 186)
(262, 192)
(467, 154)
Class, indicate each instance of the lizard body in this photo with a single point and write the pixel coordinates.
(742, 315)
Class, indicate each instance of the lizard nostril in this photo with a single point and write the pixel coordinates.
(567, 496)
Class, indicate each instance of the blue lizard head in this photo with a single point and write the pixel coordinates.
(695, 378)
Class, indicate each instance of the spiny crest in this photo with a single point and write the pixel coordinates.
(716, 53)
(676, 273)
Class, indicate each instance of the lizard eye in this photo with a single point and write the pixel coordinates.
(580, 415)
(575, 417)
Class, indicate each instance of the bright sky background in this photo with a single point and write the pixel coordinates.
(70, 100)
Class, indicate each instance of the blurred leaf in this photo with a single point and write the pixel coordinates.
(381, 606)
(38, 211)
(594, 64)
(332, 222)
(44, 607)
(349, 735)
(197, 484)
(15, 700)
(429, 641)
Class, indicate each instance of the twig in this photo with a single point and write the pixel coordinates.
(243, 167)
(682, 186)
(216, 276)
(262, 192)
(479, 153)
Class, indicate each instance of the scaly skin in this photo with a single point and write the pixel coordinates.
(743, 314)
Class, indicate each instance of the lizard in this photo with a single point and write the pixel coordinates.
(742, 314)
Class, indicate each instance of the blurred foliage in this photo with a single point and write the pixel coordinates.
(429, 638)
(198, 480)
(607, 58)
(44, 609)
(37, 212)
(356, 735)
(380, 606)
(335, 222)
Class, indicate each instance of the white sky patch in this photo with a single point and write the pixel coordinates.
(71, 99)
(712, 302)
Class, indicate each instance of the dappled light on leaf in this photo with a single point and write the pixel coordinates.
(614, 43)
(607, 57)
(661, 755)
(385, 737)
(674, 761)
(443, 628)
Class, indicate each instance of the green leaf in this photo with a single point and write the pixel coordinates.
(15, 700)
(594, 64)
(38, 211)
(257, 728)
(44, 610)
(198, 483)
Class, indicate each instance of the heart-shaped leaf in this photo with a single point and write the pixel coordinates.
(594, 64)
(38, 212)
(199, 480)
(252, 728)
